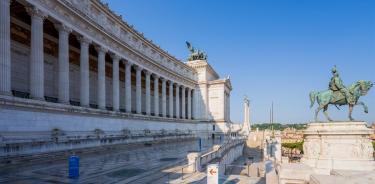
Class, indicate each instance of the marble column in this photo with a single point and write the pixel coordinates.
(63, 63)
(170, 99)
(128, 87)
(177, 101)
(84, 72)
(37, 54)
(164, 97)
(5, 59)
(194, 104)
(183, 103)
(189, 104)
(156, 95)
(138, 90)
(148, 93)
(101, 77)
(115, 82)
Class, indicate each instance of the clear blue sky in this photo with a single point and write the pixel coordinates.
(273, 50)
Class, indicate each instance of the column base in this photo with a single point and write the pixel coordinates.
(38, 98)
(65, 102)
(7, 93)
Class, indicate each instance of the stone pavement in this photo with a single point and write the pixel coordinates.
(113, 166)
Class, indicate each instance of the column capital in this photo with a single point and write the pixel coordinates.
(148, 73)
(63, 28)
(171, 82)
(115, 57)
(163, 79)
(101, 49)
(36, 12)
(155, 76)
(127, 63)
(84, 40)
(138, 68)
(183, 87)
(177, 84)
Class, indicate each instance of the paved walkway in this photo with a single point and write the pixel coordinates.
(113, 166)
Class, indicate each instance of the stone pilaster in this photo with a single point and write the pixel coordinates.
(138, 90)
(101, 77)
(115, 82)
(5, 59)
(128, 87)
(170, 99)
(63, 59)
(84, 72)
(164, 97)
(156, 95)
(189, 104)
(177, 101)
(37, 53)
(148, 93)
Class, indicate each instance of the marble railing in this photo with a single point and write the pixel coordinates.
(78, 140)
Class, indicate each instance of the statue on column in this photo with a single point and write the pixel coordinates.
(338, 94)
(246, 124)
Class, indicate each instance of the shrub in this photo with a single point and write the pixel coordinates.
(294, 145)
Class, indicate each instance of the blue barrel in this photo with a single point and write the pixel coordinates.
(73, 166)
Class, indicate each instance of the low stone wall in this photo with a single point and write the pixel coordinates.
(222, 154)
(29, 126)
(78, 142)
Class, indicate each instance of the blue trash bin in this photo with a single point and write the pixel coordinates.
(73, 166)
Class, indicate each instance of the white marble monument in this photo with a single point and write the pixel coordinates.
(338, 145)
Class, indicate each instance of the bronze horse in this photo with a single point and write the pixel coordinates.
(324, 98)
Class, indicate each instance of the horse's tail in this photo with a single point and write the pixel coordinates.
(313, 95)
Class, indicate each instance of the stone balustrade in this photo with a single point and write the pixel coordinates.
(58, 140)
(222, 154)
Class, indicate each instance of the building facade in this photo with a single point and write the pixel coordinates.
(75, 66)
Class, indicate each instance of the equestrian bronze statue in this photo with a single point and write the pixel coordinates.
(339, 95)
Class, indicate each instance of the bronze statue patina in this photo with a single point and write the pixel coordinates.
(195, 54)
(338, 94)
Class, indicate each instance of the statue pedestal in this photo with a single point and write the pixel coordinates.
(338, 145)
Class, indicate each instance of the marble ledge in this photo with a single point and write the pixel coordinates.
(32, 104)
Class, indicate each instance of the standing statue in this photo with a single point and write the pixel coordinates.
(195, 54)
(338, 94)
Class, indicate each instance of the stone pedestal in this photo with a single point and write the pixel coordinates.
(338, 145)
(193, 162)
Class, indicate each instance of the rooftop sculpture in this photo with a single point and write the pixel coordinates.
(338, 94)
(195, 54)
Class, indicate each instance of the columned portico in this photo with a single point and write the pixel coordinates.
(84, 72)
(148, 93)
(177, 101)
(5, 59)
(63, 59)
(183, 102)
(37, 54)
(71, 82)
(164, 97)
(115, 82)
(156, 95)
(170, 99)
(138, 90)
(101, 77)
(128, 88)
